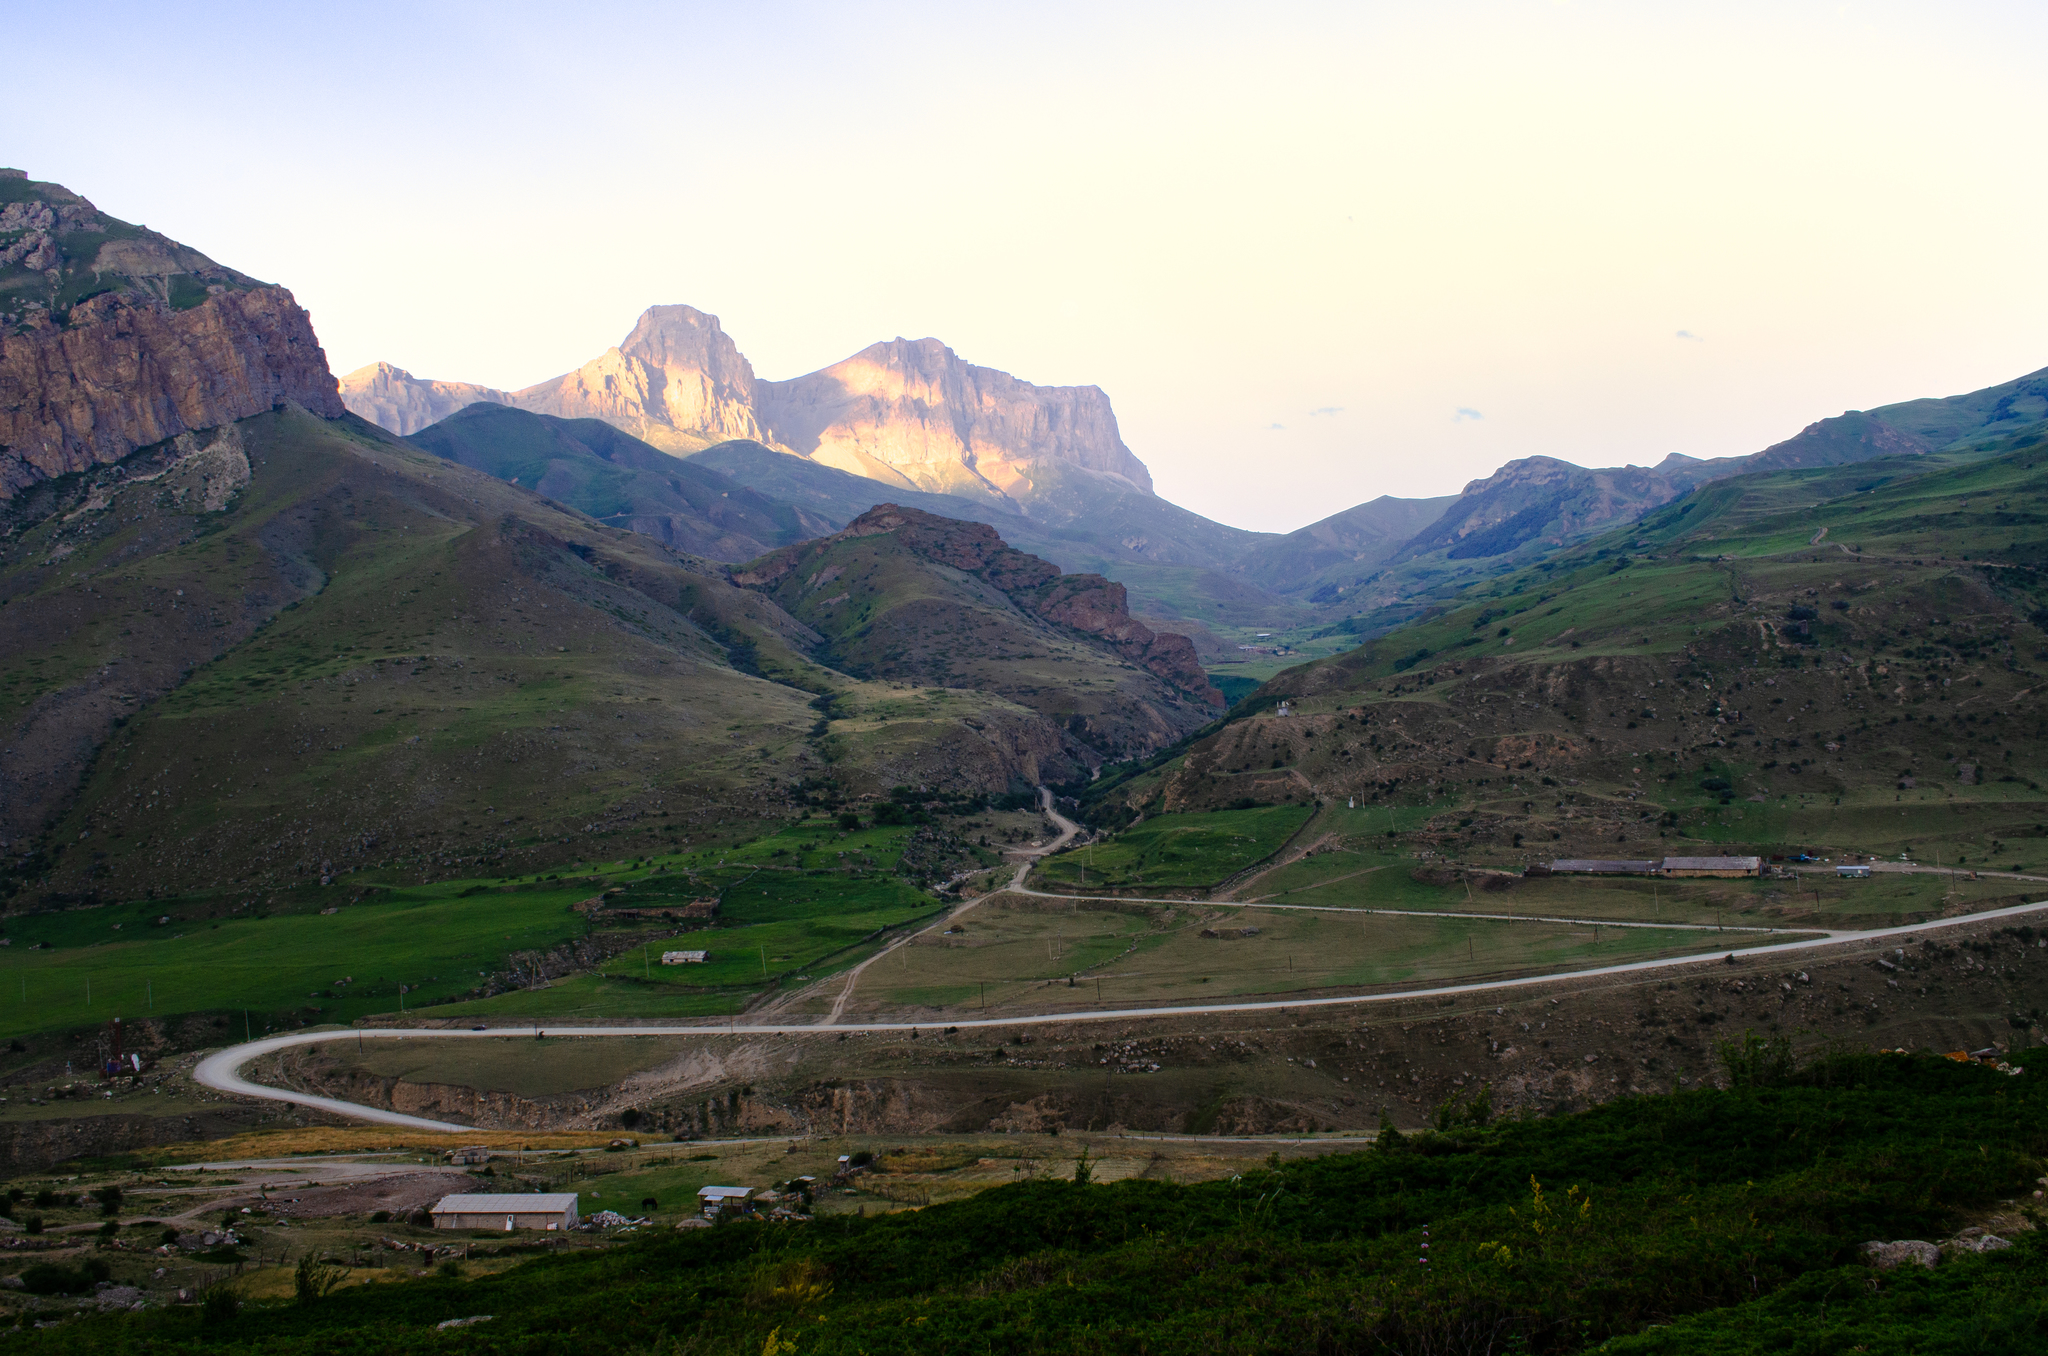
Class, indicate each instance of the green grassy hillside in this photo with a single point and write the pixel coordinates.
(1702, 1222)
(1844, 658)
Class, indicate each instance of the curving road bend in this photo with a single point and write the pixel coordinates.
(1067, 829)
(221, 1070)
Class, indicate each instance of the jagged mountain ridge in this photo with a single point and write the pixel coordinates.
(910, 413)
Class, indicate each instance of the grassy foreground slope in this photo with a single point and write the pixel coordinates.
(1700, 1222)
(1850, 657)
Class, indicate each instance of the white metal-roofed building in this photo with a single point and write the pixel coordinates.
(507, 1210)
(685, 957)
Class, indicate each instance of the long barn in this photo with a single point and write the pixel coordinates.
(507, 1210)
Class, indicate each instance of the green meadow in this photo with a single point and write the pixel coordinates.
(797, 902)
(1178, 850)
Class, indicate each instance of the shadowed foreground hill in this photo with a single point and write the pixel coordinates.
(1705, 1222)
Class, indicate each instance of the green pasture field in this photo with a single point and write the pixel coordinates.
(1177, 851)
(433, 939)
(784, 911)
(1022, 954)
(1817, 898)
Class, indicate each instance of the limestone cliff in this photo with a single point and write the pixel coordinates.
(913, 411)
(907, 412)
(677, 381)
(113, 337)
(395, 399)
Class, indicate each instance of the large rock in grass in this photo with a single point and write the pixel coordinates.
(1886, 1256)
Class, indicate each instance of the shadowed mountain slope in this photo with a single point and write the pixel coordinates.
(617, 479)
(1169, 558)
(1326, 559)
(907, 596)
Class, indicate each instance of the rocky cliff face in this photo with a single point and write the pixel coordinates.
(677, 381)
(395, 399)
(911, 410)
(124, 374)
(907, 412)
(113, 337)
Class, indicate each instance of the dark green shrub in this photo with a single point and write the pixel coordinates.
(218, 1305)
(47, 1278)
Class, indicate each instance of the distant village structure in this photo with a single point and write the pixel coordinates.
(724, 1200)
(685, 957)
(508, 1211)
(1720, 867)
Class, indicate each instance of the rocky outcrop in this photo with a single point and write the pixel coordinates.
(113, 337)
(913, 411)
(677, 381)
(124, 373)
(393, 398)
(1088, 603)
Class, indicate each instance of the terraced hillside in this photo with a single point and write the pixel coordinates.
(1848, 657)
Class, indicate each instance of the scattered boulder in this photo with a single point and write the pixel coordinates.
(1975, 1240)
(1885, 1256)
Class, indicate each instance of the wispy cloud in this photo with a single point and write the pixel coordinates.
(1688, 334)
(1327, 409)
(1466, 412)
(1271, 428)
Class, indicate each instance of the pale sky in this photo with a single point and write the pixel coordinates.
(1314, 253)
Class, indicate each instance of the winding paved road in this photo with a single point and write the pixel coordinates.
(222, 1071)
